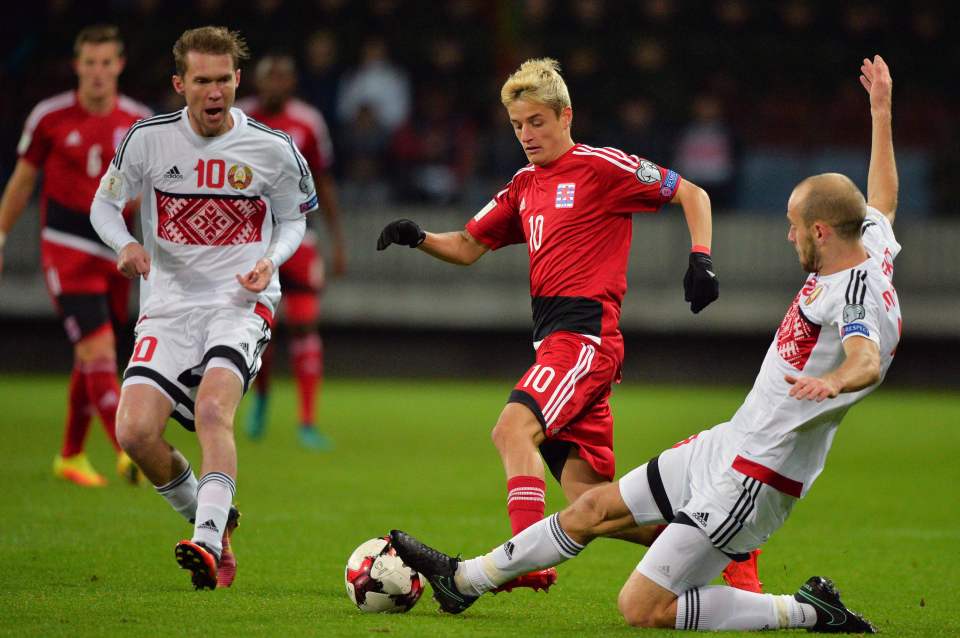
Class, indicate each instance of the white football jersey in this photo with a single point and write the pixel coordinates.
(784, 441)
(208, 206)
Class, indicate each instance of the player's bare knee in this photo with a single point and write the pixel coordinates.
(136, 434)
(636, 611)
(586, 514)
(212, 412)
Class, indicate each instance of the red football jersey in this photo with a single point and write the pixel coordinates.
(73, 148)
(303, 123)
(574, 214)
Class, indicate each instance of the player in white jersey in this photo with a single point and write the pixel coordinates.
(724, 491)
(222, 195)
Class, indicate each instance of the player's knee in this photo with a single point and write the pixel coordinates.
(135, 435)
(211, 412)
(635, 611)
(588, 511)
(509, 433)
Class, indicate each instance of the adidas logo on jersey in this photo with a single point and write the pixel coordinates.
(173, 173)
(508, 548)
(209, 525)
(245, 347)
(701, 517)
(73, 139)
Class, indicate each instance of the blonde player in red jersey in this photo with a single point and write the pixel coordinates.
(302, 276)
(573, 207)
(71, 138)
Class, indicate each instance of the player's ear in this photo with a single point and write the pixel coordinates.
(238, 77)
(177, 83)
(566, 116)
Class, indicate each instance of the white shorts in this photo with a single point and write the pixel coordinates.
(171, 353)
(694, 484)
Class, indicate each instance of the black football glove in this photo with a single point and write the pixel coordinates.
(700, 285)
(401, 231)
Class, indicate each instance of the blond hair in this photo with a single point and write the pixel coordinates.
(537, 80)
(213, 40)
(98, 34)
(835, 200)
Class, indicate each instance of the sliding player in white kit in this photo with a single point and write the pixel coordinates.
(726, 490)
(222, 195)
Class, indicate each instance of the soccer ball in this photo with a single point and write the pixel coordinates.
(378, 581)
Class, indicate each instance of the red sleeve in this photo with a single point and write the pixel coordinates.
(636, 185)
(498, 223)
(35, 143)
(311, 153)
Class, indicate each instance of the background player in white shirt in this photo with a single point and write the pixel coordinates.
(213, 182)
(727, 489)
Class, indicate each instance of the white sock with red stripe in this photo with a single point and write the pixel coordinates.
(526, 501)
(725, 608)
(543, 544)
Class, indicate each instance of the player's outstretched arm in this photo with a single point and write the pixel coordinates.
(457, 247)
(860, 369)
(15, 197)
(882, 181)
(701, 287)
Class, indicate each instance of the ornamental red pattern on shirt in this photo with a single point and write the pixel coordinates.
(73, 147)
(303, 123)
(575, 215)
(209, 221)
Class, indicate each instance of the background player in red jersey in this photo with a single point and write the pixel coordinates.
(302, 276)
(572, 206)
(71, 137)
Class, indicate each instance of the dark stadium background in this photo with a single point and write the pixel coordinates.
(768, 90)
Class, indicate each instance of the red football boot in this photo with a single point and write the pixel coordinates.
(201, 563)
(744, 575)
(227, 569)
(542, 579)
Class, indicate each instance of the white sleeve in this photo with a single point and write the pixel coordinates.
(121, 183)
(107, 219)
(293, 194)
(878, 236)
(287, 235)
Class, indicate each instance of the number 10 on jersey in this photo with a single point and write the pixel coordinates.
(536, 232)
(211, 173)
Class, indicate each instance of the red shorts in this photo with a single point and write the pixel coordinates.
(568, 390)
(301, 280)
(87, 290)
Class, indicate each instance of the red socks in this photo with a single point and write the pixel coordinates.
(307, 354)
(78, 415)
(103, 392)
(525, 501)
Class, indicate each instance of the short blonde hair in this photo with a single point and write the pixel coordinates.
(213, 40)
(538, 80)
(98, 34)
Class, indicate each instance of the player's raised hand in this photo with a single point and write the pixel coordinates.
(875, 78)
(133, 261)
(701, 286)
(811, 388)
(259, 278)
(401, 231)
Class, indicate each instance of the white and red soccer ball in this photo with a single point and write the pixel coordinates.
(378, 581)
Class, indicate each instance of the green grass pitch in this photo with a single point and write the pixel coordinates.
(882, 520)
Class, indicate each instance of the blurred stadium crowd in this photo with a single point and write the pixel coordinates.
(743, 98)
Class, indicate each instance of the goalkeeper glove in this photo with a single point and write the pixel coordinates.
(401, 231)
(700, 284)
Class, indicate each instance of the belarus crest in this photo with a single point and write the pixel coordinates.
(240, 176)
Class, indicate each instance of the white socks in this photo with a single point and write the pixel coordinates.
(181, 493)
(215, 493)
(718, 608)
(543, 544)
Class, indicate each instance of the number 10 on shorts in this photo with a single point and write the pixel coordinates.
(540, 377)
